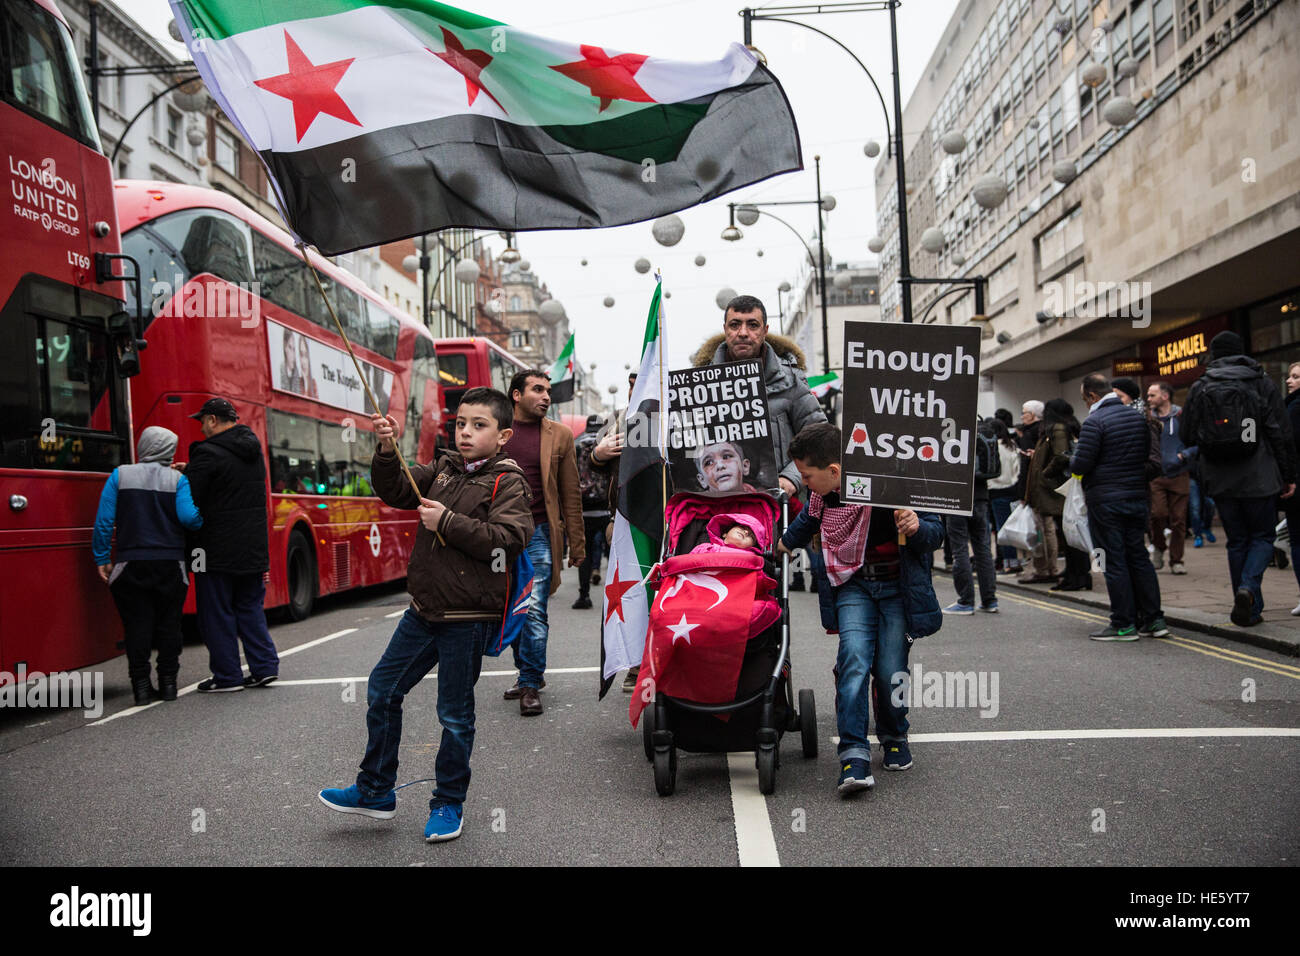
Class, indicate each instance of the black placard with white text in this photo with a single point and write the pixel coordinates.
(910, 393)
(719, 436)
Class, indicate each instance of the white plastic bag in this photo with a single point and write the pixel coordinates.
(1074, 517)
(1019, 530)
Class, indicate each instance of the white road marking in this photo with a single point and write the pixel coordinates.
(351, 680)
(1099, 734)
(193, 687)
(755, 843)
(396, 613)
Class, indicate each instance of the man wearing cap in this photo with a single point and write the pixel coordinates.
(1235, 417)
(227, 476)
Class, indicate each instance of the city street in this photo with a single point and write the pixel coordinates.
(1159, 753)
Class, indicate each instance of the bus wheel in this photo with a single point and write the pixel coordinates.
(300, 567)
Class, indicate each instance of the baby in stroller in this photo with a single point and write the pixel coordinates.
(732, 532)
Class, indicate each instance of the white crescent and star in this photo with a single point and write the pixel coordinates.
(701, 579)
(681, 630)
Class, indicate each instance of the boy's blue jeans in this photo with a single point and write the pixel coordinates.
(873, 642)
(530, 649)
(414, 649)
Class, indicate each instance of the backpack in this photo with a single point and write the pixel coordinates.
(519, 594)
(988, 463)
(593, 485)
(1226, 404)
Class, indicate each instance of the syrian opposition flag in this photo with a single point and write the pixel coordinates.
(823, 385)
(383, 120)
(699, 625)
(639, 520)
(562, 375)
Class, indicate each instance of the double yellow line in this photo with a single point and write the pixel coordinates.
(1200, 647)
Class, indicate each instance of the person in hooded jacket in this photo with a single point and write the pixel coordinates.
(1246, 466)
(149, 505)
(227, 474)
(1049, 469)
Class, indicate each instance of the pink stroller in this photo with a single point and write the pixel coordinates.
(715, 675)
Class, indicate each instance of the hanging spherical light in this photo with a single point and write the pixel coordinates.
(876, 244)
(584, 262)
(195, 135)
(828, 203)
(699, 260)
(642, 265)
(1062, 23)
(952, 142)
(467, 271)
(411, 263)
(958, 259)
(872, 148)
(842, 280)
(609, 302)
(1118, 111)
(747, 215)
(668, 230)
(550, 312)
(1128, 66)
(783, 287)
(1064, 171)
(760, 253)
(932, 240)
(1094, 74)
(724, 296)
(989, 191)
(668, 295)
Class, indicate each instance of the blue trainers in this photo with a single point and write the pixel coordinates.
(351, 800)
(1209, 536)
(1198, 541)
(897, 756)
(444, 822)
(855, 775)
(990, 608)
(959, 608)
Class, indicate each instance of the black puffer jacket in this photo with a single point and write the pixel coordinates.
(227, 475)
(1111, 454)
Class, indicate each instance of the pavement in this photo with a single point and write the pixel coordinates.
(1200, 599)
(1036, 747)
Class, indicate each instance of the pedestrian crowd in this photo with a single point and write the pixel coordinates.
(518, 484)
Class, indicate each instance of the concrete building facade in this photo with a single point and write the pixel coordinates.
(1152, 169)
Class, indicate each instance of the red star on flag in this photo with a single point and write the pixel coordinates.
(614, 592)
(310, 87)
(468, 63)
(608, 77)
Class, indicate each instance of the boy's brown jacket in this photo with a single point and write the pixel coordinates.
(465, 579)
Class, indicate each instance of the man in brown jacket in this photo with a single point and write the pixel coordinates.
(474, 522)
(544, 451)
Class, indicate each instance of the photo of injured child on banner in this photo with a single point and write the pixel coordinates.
(719, 436)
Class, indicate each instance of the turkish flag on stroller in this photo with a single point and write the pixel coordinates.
(705, 609)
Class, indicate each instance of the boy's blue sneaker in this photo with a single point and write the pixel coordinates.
(1198, 541)
(991, 607)
(351, 800)
(444, 822)
(855, 775)
(1209, 536)
(959, 608)
(897, 756)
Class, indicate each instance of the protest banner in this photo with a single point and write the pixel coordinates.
(719, 436)
(909, 416)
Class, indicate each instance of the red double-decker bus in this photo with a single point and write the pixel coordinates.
(65, 343)
(467, 363)
(233, 311)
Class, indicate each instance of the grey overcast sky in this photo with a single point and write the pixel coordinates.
(836, 111)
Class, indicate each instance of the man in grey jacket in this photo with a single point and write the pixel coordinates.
(791, 404)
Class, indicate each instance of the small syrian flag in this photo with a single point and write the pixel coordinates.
(639, 520)
(562, 375)
(383, 120)
(823, 385)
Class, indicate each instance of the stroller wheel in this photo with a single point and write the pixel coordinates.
(647, 732)
(808, 722)
(765, 757)
(665, 761)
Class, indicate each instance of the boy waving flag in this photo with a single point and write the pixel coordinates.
(382, 119)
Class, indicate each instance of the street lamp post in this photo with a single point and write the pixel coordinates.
(732, 233)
